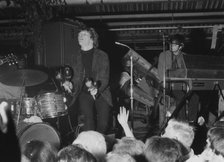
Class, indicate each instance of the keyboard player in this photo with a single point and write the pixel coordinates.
(170, 60)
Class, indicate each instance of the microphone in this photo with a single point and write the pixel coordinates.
(121, 44)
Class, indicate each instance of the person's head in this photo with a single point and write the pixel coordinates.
(184, 151)
(162, 149)
(180, 130)
(176, 43)
(215, 145)
(119, 157)
(94, 142)
(87, 38)
(215, 138)
(129, 145)
(10, 148)
(39, 151)
(214, 133)
(72, 153)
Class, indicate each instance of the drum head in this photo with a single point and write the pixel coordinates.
(38, 131)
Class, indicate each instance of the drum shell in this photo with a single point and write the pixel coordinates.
(28, 106)
(51, 105)
(37, 131)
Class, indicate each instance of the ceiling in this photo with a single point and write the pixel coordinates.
(145, 25)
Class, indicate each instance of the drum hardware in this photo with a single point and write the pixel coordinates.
(51, 105)
(23, 78)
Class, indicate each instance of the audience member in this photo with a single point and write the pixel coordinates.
(74, 153)
(10, 149)
(183, 149)
(94, 142)
(39, 151)
(214, 151)
(182, 131)
(129, 145)
(162, 149)
(122, 118)
(118, 157)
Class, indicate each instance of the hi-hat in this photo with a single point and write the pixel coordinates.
(23, 77)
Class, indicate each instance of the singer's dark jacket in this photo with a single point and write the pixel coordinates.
(100, 71)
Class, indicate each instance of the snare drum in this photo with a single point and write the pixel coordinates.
(51, 105)
(37, 131)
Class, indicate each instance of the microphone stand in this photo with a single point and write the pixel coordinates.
(20, 101)
(131, 85)
(164, 82)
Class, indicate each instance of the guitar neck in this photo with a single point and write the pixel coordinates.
(10, 59)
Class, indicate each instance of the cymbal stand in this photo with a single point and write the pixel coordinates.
(220, 115)
(164, 78)
(20, 101)
(131, 91)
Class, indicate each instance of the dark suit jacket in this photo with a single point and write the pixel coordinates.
(101, 73)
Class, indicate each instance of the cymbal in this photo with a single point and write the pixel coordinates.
(23, 77)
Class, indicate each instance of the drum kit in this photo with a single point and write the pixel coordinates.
(44, 105)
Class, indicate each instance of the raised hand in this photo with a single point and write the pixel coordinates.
(3, 115)
(122, 118)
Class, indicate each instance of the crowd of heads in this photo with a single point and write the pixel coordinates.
(174, 145)
(91, 146)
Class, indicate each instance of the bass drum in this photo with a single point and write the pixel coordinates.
(37, 131)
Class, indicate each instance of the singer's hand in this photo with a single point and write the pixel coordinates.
(89, 83)
(67, 86)
(93, 91)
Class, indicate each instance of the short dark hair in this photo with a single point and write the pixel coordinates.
(179, 39)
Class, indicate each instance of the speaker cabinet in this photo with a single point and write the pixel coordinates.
(60, 43)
